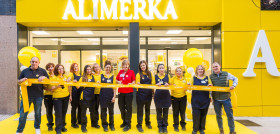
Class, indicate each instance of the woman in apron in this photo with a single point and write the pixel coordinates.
(87, 97)
(143, 96)
(200, 100)
(107, 98)
(162, 99)
(97, 74)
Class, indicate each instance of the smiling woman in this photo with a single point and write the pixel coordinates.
(152, 6)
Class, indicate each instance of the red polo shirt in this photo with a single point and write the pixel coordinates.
(126, 78)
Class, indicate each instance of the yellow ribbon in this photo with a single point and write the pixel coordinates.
(29, 82)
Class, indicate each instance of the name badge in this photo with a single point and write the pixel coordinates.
(126, 75)
(203, 81)
(37, 75)
(122, 75)
(64, 79)
(184, 81)
(89, 80)
(109, 81)
(161, 82)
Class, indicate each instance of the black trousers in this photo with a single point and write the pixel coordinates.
(74, 115)
(125, 105)
(199, 119)
(60, 108)
(140, 107)
(84, 114)
(48, 101)
(179, 108)
(104, 116)
(162, 117)
(95, 112)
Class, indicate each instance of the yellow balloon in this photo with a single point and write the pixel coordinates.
(193, 57)
(206, 64)
(26, 53)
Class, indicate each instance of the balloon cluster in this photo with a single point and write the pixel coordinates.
(25, 55)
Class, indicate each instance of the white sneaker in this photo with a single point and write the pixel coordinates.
(38, 131)
(18, 133)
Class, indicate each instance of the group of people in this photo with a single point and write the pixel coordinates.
(57, 97)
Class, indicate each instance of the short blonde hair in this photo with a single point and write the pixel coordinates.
(197, 69)
(126, 62)
(177, 69)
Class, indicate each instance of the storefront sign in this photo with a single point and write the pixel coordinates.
(267, 57)
(112, 12)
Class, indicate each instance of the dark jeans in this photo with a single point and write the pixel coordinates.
(228, 109)
(37, 102)
(104, 116)
(95, 111)
(48, 101)
(84, 114)
(162, 117)
(199, 119)
(125, 105)
(140, 107)
(60, 108)
(179, 108)
(74, 116)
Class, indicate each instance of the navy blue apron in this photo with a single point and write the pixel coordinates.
(106, 94)
(88, 94)
(162, 97)
(144, 95)
(76, 93)
(200, 99)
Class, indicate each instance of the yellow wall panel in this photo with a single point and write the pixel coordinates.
(237, 48)
(248, 90)
(248, 111)
(270, 89)
(271, 111)
(270, 20)
(240, 15)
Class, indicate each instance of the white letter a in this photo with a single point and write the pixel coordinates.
(267, 57)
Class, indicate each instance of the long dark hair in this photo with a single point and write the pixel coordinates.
(108, 63)
(146, 71)
(56, 69)
(85, 78)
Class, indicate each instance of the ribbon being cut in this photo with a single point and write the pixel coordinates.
(29, 82)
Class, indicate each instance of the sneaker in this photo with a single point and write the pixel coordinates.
(165, 130)
(149, 126)
(160, 130)
(122, 125)
(37, 131)
(126, 128)
(105, 129)
(18, 133)
(202, 132)
(75, 126)
(58, 132)
(140, 129)
(63, 129)
(176, 129)
(95, 126)
(112, 128)
(194, 132)
(184, 128)
(84, 129)
(232, 132)
(222, 131)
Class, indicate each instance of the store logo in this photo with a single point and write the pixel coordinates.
(267, 57)
(112, 13)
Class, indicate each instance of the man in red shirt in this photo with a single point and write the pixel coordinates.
(125, 76)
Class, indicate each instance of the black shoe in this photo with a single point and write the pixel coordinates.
(84, 130)
(75, 126)
(95, 126)
(105, 129)
(202, 132)
(165, 130)
(58, 132)
(184, 128)
(112, 128)
(194, 132)
(176, 129)
(50, 128)
(126, 128)
(160, 130)
(122, 125)
(149, 126)
(79, 123)
(140, 129)
(63, 129)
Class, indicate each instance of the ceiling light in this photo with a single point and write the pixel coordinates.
(201, 38)
(94, 39)
(40, 33)
(125, 32)
(174, 31)
(164, 39)
(85, 32)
